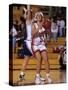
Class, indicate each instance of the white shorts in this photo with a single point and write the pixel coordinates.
(39, 48)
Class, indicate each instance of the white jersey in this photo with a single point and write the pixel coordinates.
(28, 38)
(29, 30)
(40, 39)
(38, 42)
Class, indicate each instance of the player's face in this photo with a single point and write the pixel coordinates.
(39, 17)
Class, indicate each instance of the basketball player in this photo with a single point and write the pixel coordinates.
(27, 42)
(39, 48)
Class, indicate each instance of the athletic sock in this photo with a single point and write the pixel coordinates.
(38, 75)
(21, 73)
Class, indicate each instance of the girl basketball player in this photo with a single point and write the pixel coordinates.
(39, 49)
(26, 42)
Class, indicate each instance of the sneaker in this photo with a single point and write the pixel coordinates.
(37, 80)
(48, 80)
(42, 79)
(21, 77)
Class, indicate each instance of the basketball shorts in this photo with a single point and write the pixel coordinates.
(40, 48)
(27, 48)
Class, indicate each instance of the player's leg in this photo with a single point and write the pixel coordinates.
(24, 66)
(38, 67)
(14, 44)
(38, 63)
(27, 55)
(55, 36)
(47, 67)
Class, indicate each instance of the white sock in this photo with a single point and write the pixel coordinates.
(38, 75)
(22, 73)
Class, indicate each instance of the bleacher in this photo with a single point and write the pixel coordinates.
(53, 57)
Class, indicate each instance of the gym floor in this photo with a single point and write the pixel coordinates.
(58, 77)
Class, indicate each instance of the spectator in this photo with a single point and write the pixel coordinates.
(62, 58)
(58, 23)
(54, 30)
(13, 32)
(62, 27)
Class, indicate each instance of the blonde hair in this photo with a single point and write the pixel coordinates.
(38, 13)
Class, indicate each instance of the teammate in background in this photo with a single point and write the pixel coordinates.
(39, 48)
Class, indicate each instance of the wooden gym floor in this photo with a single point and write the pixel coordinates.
(57, 75)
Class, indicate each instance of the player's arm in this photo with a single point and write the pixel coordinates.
(35, 32)
(45, 40)
(28, 12)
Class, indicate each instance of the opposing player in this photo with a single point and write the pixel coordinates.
(26, 42)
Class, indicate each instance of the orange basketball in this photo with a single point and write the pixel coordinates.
(47, 24)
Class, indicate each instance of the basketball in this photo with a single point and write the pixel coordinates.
(47, 24)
